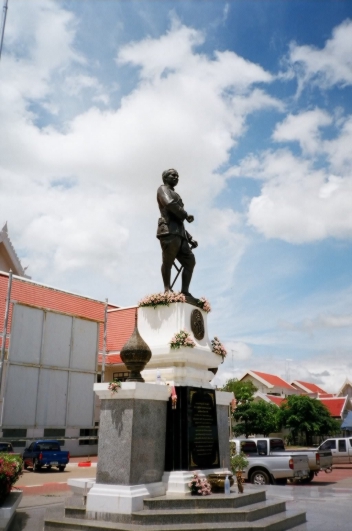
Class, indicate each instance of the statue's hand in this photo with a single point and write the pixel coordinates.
(194, 244)
(190, 219)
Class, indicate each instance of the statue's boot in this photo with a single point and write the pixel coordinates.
(186, 280)
(166, 274)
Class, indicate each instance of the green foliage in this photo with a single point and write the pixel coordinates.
(11, 467)
(256, 417)
(251, 417)
(243, 391)
(309, 416)
(238, 461)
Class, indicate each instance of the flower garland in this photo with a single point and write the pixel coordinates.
(198, 486)
(114, 386)
(162, 299)
(165, 299)
(11, 468)
(204, 304)
(182, 339)
(218, 348)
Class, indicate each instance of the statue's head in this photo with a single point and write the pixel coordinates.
(170, 175)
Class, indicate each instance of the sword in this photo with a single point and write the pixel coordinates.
(179, 269)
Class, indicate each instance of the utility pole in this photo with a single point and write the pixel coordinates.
(104, 341)
(4, 334)
(3, 24)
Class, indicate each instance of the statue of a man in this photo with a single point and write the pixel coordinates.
(175, 241)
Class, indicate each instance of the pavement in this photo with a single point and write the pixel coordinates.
(327, 500)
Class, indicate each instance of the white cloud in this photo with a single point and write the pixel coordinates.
(298, 203)
(109, 163)
(320, 322)
(328, 66)
(303, 128)
(238, 353)
(339, 149)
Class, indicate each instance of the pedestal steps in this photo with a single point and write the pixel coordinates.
(217, 512)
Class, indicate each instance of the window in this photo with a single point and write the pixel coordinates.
(88, 433)
(328, 445)
(122, 376)
(277, 445)
(248, 447)
(262, 447)
(342, 446)
(55, 433)
(48, 446)
(16, 434)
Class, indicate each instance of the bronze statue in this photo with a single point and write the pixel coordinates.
(175, 241)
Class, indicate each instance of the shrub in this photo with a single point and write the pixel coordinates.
(11, 468)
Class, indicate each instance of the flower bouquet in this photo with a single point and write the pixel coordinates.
(199, 487)
(114, 386)
(218, 348)
(11, 468)
(182, 339)
(162, 299)
(204, 304)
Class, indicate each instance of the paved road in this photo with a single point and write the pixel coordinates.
(327, 500)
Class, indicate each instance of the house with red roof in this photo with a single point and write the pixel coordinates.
(308, 387)
(346, 389)
(338, 406)
(269, 384)
(34, 298)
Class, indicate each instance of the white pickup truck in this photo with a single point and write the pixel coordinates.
(318, 459)
(264, 468)
(340, 447)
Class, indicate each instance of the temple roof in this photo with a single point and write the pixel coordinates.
(8, 256)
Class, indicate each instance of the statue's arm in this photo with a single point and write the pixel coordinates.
(166, 199)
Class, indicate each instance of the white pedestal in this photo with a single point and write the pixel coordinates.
(184, 366)
(120, 499)
(177, 482)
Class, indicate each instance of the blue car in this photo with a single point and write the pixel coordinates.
(45, 454)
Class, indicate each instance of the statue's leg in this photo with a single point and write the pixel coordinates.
(187, 259)
(170, 246)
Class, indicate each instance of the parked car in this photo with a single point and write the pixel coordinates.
(318, 460)
(43, 453)
(340, 447)
(264, 468)
(6, 447)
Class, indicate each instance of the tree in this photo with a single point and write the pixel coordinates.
(308, 416)
(251, 417)
(256, 417)
(242, 390)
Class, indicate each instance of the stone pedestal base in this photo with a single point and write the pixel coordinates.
(120, 499)
(131, 448)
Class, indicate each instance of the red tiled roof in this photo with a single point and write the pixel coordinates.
(312, 388)
(271, 379)
(111, 359)
(334, 405)
(276, 399)
(28, 292)
(120, 326)
(120, 322)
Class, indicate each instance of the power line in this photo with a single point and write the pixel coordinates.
(3, 24)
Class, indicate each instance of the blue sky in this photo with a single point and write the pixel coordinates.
(250, 101)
